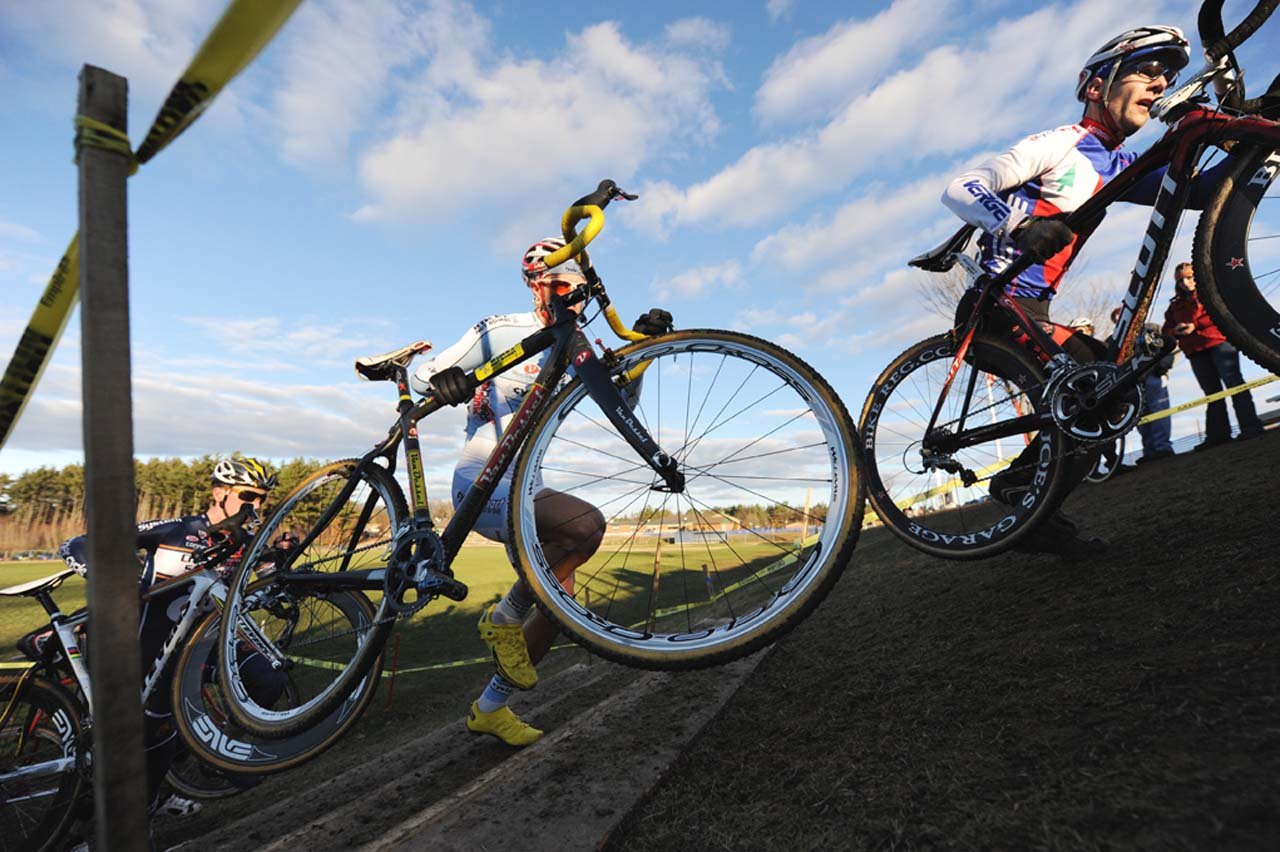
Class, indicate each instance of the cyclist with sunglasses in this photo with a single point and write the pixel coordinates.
(1017, 199)
(518, 634)
(165, 547)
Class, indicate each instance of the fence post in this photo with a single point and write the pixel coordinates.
(119, 772)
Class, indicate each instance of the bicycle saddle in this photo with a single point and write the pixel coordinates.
(940, 259)
(380, 368)
(35, 587)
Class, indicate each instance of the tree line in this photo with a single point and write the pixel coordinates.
(41, 508)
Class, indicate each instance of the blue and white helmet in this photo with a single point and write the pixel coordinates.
(1167, 44)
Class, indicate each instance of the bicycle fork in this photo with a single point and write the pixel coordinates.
(595, 377)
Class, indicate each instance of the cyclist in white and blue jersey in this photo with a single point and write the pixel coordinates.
(1017, 199)
(570, 529)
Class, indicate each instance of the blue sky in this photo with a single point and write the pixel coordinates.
(372, 179)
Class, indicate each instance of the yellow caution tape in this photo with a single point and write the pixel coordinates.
(1205, 400)
(97, 134)
(244, 29)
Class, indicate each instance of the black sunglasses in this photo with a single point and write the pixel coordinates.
(250, 496)
(1151, 69)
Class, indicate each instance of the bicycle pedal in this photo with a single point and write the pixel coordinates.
(435, 583)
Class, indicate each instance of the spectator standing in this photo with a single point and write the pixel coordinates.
(1215, 362)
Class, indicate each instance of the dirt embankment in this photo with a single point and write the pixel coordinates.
(1132, 702)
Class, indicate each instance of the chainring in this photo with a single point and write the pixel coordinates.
(1087, 414)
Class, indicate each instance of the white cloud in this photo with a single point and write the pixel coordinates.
(859, 227)
(474, 127)
(952, 100)
(149, 42)
(343, 62)
(827, 70)
(9, 230)
(693, 283)
(698, 32)
(777, 8)
(272, 343)
(178, 413)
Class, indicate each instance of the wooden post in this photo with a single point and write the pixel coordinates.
(119, 773)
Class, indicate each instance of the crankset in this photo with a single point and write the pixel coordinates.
(1090, 403)
(418, 564)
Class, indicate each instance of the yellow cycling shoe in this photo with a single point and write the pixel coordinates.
(503, 724)
(510, 654)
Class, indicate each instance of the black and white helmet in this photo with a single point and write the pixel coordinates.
(1150, 42)
(247, 472)
(533, 264)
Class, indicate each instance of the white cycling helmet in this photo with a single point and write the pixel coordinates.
(250, 473)
(1150, 42)
(533, 264)
(1080, 322)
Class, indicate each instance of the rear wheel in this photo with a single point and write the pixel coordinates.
(766, 522)
(1237, 256)
(940, 500)
(346, 521)
(39, 778)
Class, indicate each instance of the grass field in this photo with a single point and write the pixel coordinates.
(426, 640)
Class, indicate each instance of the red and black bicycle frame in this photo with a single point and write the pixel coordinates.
(1179, 149)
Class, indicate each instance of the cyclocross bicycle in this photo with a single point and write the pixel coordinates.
(953, 411)
(46, 710)
(729, 489)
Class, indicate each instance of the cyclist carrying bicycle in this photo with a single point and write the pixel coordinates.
(1018, 197)
(517, 634)
(167, 546)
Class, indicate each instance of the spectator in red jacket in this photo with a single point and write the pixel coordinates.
(1215, 362)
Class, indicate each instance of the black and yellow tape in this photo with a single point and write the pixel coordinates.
(240, 34)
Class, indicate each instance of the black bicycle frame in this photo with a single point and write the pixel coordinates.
(569, 346)
(1180, 148)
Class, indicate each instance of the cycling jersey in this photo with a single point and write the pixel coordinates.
(1044, 175)
(166, 547)
(491, 407)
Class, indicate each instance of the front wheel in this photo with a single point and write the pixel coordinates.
(766, 523)
(973, 500)
(1237, 256)
(200, 704)
(346, 517)
(39, 780)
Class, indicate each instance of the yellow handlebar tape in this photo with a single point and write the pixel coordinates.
(576, 242)
(240, 34)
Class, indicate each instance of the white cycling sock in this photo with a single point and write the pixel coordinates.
(513, 608)
(495, 695)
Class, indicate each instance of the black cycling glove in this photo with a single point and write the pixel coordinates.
(1042, 237)
(655, 322)
(452, 386)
